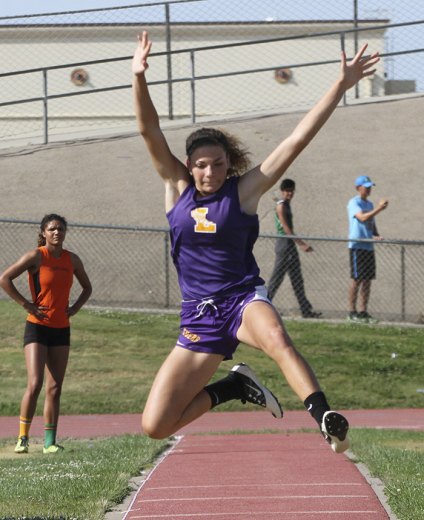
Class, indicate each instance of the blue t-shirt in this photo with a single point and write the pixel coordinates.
(358, 229)
(212, 243)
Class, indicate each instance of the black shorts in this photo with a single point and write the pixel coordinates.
(362, 264)
(48, 336)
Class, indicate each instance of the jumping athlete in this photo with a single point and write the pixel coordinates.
(47, 331)
(211, 202)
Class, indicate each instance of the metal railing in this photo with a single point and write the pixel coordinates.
(194, 78)
(130, 267)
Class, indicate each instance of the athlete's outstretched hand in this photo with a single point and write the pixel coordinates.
(359, 67)
(139, 62)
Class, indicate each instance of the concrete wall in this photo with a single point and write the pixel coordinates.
(111, 180)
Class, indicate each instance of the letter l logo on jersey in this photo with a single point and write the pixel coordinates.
(203, 225)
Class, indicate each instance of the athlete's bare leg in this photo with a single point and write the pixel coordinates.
(56, 363)
(263, 328)
(177, 396)
(35, 360)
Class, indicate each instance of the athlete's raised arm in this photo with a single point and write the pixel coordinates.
(264, 176)
(171, 169)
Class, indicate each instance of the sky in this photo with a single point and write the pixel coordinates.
(394, 9)
(408, 67)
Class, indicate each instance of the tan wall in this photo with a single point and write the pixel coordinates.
(111, 181)
(42, 47)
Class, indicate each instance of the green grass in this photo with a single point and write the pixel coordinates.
(114, 357)
(397, 459)
(82, 483)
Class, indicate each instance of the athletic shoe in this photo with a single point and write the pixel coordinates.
(53, 448)
(366, 318)
(311, 314)
(22, 445)
(335, 427)
(254, 392)
(353, 316)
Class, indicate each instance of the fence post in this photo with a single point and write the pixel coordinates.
(402, 283)
(355, 36)
(343, 48)
(167, 283)
(193, 89)
(169, 63)
(45, 108)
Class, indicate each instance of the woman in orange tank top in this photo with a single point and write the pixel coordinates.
(51, 270)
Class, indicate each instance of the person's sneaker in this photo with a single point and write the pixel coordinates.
(53, 448)
(311, 314)
(353, 316)
(335, 427)
(364, 317)
(22, 445)
(254, 392)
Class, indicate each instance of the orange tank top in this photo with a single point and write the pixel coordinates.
(50, 287)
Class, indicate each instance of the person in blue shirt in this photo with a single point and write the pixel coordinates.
(362, 226)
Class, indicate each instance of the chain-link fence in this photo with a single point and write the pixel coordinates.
(131, 268)
(70, 72)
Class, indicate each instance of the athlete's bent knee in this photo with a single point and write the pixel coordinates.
(277, 336)
(153, 429)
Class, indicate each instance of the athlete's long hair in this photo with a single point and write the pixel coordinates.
(238, 155)
(46, 219)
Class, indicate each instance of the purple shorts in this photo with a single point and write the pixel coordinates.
(211, 325)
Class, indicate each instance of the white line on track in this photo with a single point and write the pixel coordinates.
(262, 514)
(177, 441)
(250, 497)
(279, 485)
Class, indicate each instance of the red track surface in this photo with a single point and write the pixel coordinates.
(86, 426)
(257, 476)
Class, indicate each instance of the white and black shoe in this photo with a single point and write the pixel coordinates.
(335, 428)
(254, 392)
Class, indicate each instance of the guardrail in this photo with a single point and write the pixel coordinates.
(194, 78)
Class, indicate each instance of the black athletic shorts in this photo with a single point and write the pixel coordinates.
(362, 264)
(35, 333)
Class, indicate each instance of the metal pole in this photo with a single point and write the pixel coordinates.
(355, 36)
(402, 283)
(343, 48)
(45, 108)
(193, 88)
(169, 62)
(167, 288)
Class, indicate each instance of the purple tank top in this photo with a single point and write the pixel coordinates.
(212, 243)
